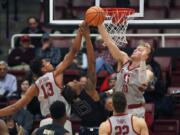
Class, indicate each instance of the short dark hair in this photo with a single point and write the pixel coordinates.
(119, 102)
(32, 17)
(57, 110)
(36, 66)
(69, 94)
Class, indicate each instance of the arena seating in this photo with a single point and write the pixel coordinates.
(158, 3)
(166, 127)
(153, 13)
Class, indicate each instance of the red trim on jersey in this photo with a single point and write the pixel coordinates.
(130, 62)
(55, 81)
(133, 126)
(37, 89)
(123, 66)
(133, 106)
(120, 114)
(110, 126)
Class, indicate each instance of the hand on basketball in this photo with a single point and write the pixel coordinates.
(84, 28)
(94, 16)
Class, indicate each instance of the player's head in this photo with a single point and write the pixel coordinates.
(3, 69)
(58, 111)
(71, 90)
(119, 102)
(143, 48)
(41, 66)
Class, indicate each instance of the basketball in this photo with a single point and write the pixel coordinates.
(94, 16)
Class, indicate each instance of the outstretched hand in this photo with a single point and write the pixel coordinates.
(84, 29)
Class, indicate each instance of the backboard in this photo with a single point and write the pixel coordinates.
(62, 12)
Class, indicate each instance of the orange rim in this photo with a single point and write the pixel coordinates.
(118, 14)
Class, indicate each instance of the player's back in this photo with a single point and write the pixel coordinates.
(122, 125)
(48, 93)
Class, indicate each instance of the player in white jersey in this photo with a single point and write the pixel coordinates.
(48, 93)
(49, 83)
(132, 74)
(122, 123)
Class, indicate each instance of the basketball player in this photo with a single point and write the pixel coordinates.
(85, 100)
(133, 72)
(58, 114)
(122, 123)
(49, 83)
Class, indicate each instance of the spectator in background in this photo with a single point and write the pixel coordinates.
(47, 51)
(34, 106)
(83, 81)
(80, 61)
(20, 57)
(8, 82)
(104, 60)
(58, 114)
(108, 83)
(22, 117)
(3, 128)
(156, 89)
(13, 127)
(33, 27)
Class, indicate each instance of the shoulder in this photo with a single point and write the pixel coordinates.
(11, 76)
(140, 122)
(44, 77)
(150, 73)
(105, 128)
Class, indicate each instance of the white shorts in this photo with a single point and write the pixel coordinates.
(139, 112)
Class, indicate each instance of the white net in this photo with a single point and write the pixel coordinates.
(116, 23)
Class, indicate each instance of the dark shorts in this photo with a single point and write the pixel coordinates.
(88, 131)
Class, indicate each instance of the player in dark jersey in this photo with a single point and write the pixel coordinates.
(58, 114)
(85, 102)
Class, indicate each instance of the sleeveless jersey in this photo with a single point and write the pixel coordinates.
(91, 112)
(48, 93)
(128, 83)
(51, 129)
(122, 125)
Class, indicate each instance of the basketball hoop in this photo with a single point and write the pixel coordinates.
(116, 23)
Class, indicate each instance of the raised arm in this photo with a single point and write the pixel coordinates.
(69, 56)
(91, 73)
(31, 92)
(117, 54)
